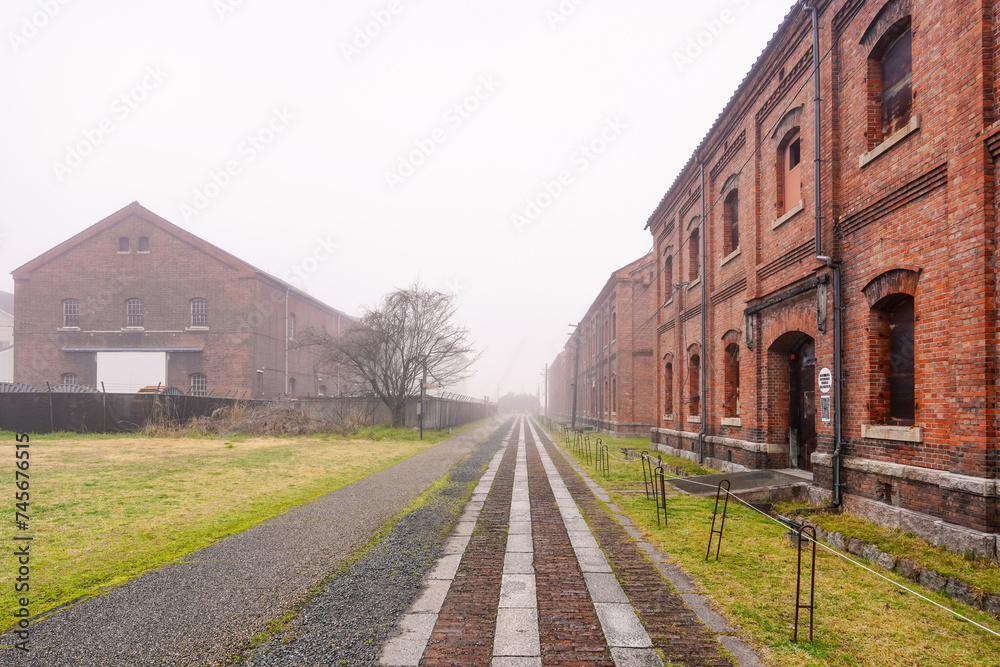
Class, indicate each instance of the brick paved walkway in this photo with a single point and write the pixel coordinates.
(538, 572)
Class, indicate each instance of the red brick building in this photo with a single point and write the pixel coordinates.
(135, 300)
(905, 141)
(614, 371)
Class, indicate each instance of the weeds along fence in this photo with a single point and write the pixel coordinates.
(45, 412)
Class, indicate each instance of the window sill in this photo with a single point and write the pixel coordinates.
(68, 329)
(732, 421)
(131, 329)
(890, 141)
(668, 418)
(668, 301)
(195, 328)
(124, 252)
(142, 252)
(694, 284)
(694, 419)
(900, 433)
(730, 257)
(795, 210)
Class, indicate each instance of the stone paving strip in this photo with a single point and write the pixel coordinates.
(625, 635)
(557, 602)
(681, 624)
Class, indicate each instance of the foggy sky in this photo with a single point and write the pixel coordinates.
(509, 153)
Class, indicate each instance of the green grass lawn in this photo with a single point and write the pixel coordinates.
(105, 509)
(860, 619)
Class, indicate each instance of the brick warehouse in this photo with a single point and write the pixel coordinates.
(615, 373)
(901, 277)
(135, 300)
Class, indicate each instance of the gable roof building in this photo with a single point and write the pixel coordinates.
(135, 300)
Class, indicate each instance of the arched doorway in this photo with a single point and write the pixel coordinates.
(792, 391)
(802, 404)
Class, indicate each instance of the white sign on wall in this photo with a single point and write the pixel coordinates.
(825, 380)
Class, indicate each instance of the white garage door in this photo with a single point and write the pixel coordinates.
(127, 372)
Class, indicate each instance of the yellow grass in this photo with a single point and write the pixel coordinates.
(104, 511)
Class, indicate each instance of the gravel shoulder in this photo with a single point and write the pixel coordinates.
(350, 619)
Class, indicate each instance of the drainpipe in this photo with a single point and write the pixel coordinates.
(828, 260)
(704, 321)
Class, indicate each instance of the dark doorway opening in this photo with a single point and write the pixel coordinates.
(802, 404)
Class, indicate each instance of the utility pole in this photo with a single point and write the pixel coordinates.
(576, 373)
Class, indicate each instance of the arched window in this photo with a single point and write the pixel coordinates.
(199, 312)
(890, 80)
(143, 244)
(668, 275)
(291, 386)
(614, 393)
(731, 223)
(614, 326)
(694, 254)
(199, 384)
(731, 401)
(123, 244)
(694, 386)
(322, 390)
(70, 378)
(891, 332)
(133, 313)
(668, 389)
(789, 172)
(71, 313)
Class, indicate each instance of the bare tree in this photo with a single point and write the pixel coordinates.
(392, 348)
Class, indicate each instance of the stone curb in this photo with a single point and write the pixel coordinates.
(910, 570)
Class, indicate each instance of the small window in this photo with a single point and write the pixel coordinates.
(694, 254)
(133, 313)
(291, 326)
(143, 244)
(199, 313)
(731, 223)
(199, 384)
(71, 313)
(123, 244)
(70, 378)
(614, 325)
(614, 393)
(322, 390)
(291, 386)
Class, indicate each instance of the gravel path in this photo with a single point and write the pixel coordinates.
(348, 622)
(207, 607)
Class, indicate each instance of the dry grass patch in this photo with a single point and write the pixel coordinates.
(104, 510)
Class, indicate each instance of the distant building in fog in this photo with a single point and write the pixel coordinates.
(615, 370)
(135, 300)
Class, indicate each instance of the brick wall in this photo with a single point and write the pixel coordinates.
(910, 214)
(246, 310)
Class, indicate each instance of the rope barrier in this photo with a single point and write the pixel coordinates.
(829, 549)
